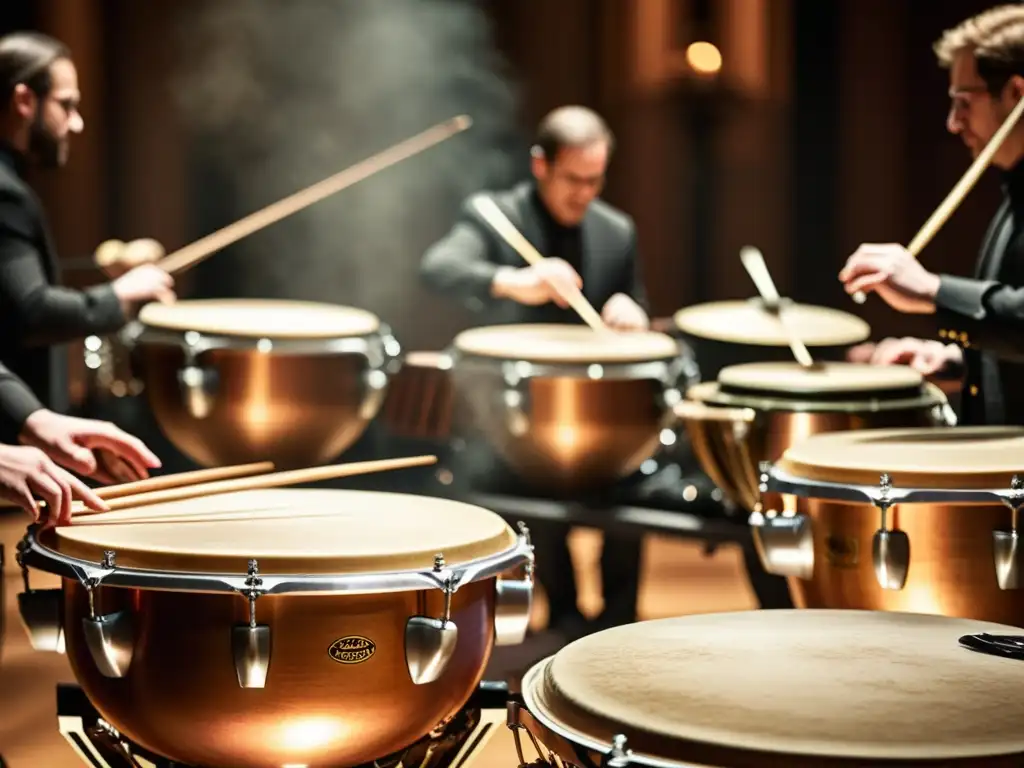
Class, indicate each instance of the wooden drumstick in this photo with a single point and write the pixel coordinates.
(506, 229)
(272, 480)
(180, 479)
(755, 265)
(956, 195)
(201, 249)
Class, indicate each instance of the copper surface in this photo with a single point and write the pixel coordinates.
(951, 568)
(573, 433)
(730, 453)
(294, 410)
(181, 699)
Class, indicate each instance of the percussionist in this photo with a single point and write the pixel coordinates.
(589, 246)
(979, 320)
(39, 98)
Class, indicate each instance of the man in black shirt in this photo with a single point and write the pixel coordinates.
(590, 246)
(980, 320)
(39, 99)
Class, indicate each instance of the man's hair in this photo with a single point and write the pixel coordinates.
(25, 57)
(570, 127)
(995, 37)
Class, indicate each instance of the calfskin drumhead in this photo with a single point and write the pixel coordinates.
(821, 683)
(289, 530)
(791, 378)
(747, 322)
(553, 343)
(260, 318)
(959, 457)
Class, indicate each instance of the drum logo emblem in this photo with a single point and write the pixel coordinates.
(354, 649)
(842, 551)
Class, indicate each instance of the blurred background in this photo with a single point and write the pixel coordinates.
(800, 126)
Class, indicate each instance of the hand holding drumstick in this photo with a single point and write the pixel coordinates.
(892, 271)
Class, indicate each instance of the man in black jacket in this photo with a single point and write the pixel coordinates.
(39, 100)
(48, 439)
(590, 246)
(980, 320)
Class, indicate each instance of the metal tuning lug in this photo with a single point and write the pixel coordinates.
(890, 549)
(40, 611)
(619, 755)
(1006, 546)
(513, 601)
(198, 388)
(784, 542)
(430, 643)
(111, 637)
(250, 643)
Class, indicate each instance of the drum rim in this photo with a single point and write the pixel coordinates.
(457, 352)
(780, 481)
(375, 344)
(32, 552)
(710, 392)
(669, 371)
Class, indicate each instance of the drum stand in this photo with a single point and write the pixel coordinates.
(453, 745)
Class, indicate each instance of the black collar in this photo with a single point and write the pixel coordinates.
(1013, 182)
(548, 221)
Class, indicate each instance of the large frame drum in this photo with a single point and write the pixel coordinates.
(232, 381)
(901, 520)
(775, 689)
(267, 628)
(567, 408)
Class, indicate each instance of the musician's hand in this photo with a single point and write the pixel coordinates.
(141, 285)
(550, 280)
(926, 356)
(27, 472)
(890, 271)
(96, 449)
(623, 314)
(116, 258)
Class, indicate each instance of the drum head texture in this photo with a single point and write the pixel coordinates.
(822, 683)
(294, 531)
(784, 378)
(959, 457)
(260, 318)
(747, 322)
(553, 343)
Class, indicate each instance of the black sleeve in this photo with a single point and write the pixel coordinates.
(17, 403)
(460, 265)
(983, 314)
(30, 308)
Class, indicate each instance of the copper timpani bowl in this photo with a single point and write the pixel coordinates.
(285, 627)
(232, 381)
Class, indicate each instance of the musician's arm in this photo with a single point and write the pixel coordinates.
(30, 308)
(17, 403)
(983, 314)
(634, 284)
(461, 263)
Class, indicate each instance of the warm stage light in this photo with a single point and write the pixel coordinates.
(704, 58)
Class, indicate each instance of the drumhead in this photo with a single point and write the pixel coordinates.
(862, 685)
(553, 343)
(791, 378)
(930, 457)
(747, 322)
(260, 318)
(289, 530)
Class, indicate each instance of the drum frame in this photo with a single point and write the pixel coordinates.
(785, 541)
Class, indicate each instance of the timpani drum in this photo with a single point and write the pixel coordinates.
(921, 520)
(232, 381)
(285, 627)
(566, 407)
(774, 689)
(753, 412)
